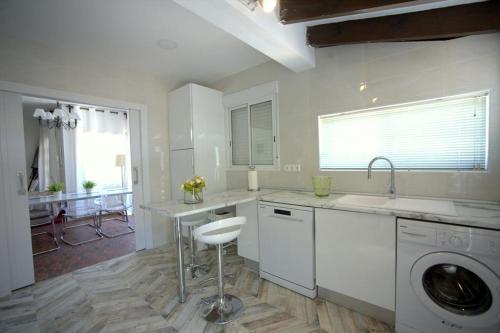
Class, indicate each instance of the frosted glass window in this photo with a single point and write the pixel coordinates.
(252, 140)
(261, 119)
(239, 132)
(442, 134)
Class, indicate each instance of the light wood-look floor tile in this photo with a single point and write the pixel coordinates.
(138, 293)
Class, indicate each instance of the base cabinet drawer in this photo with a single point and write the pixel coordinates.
(356, 255)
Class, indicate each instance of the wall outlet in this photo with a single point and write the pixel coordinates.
(292, 167)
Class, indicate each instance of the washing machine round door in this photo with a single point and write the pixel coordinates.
(459, 289)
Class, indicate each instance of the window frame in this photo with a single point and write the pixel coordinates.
(385, 168)
(245, 98)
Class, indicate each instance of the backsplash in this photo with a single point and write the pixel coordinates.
(394, 73)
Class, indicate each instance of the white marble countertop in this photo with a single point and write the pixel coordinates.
(177, 208)
(469, 213)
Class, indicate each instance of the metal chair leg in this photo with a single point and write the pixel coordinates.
(221, 308)
(94, 226)
(56, 243)
(126, 220)
(195, 270)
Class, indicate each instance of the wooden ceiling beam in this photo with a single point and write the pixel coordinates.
(293, 11)
(435, 24)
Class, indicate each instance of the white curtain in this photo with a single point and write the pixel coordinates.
(50, 157)
(100, 136)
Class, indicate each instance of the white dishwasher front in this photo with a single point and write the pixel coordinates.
(286, 246)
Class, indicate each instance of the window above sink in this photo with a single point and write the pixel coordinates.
(449, 133)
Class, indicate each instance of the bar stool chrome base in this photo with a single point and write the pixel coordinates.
(196, 271)
(217, 312)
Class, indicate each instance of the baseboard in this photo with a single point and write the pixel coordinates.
(252, 265)
(311, 293)
(377, 312)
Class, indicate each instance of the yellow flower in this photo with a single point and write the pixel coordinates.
(182, 186)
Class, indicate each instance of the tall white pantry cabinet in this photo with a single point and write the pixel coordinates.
(197, 137)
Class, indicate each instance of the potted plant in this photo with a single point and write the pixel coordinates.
(88, 186)
(56, 188)
(193, 190)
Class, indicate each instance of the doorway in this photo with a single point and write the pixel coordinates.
(87, 154)
(16, 173)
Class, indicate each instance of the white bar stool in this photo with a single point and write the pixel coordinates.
(191, 221)
(221, 308)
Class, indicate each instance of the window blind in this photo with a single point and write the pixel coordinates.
(261, 120)
(448, 133)
(239, 136)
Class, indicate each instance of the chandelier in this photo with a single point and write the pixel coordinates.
(57, 118)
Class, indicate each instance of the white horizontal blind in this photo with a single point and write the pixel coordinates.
(240, 143)
(449, 133)
(261, 120)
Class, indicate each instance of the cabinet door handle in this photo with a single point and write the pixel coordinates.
(22, 189)
(135, 179)
(282, 217)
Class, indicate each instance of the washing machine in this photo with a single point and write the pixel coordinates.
(447, 278)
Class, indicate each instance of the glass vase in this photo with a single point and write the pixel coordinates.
(193, 197)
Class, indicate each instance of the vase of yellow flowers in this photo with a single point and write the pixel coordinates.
(193, 190)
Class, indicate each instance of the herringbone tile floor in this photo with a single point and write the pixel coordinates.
(137, 293)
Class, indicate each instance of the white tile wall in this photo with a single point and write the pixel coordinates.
(395, 73)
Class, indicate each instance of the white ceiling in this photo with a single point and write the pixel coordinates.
(125, 33)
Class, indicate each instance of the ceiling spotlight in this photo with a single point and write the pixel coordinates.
(362, 86)
(374, 99)
(266, 5)
(167, 44)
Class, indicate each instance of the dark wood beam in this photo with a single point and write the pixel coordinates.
(442, 23)
(293, 11)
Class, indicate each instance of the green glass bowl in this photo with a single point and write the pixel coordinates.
(322, 185)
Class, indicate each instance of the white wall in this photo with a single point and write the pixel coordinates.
(37, 66)
(395, 73)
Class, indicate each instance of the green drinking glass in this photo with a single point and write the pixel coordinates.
(322, 185)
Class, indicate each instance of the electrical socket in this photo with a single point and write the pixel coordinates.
(292, 167)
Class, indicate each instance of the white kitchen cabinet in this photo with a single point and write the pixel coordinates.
(248, 241)
(356, 255)
(197, 137)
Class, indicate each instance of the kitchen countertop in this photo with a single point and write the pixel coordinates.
(468, 213)
(177, 208)
(462, 212)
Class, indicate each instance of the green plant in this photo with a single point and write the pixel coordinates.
(56, 187)
(88, 185)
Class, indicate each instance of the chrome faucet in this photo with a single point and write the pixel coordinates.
(392, 188)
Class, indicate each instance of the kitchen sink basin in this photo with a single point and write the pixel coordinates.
(363, 200)
(440, 207)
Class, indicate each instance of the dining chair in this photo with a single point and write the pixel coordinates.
(40, 217)
(79, 210)
(114, 204)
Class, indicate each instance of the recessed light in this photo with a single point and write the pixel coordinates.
(167, 44)
(362, 86)
(374, 99)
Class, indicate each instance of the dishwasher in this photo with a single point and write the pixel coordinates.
(286, 246)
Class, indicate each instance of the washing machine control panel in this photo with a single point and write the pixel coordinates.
(468, 241)
(454, 240)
